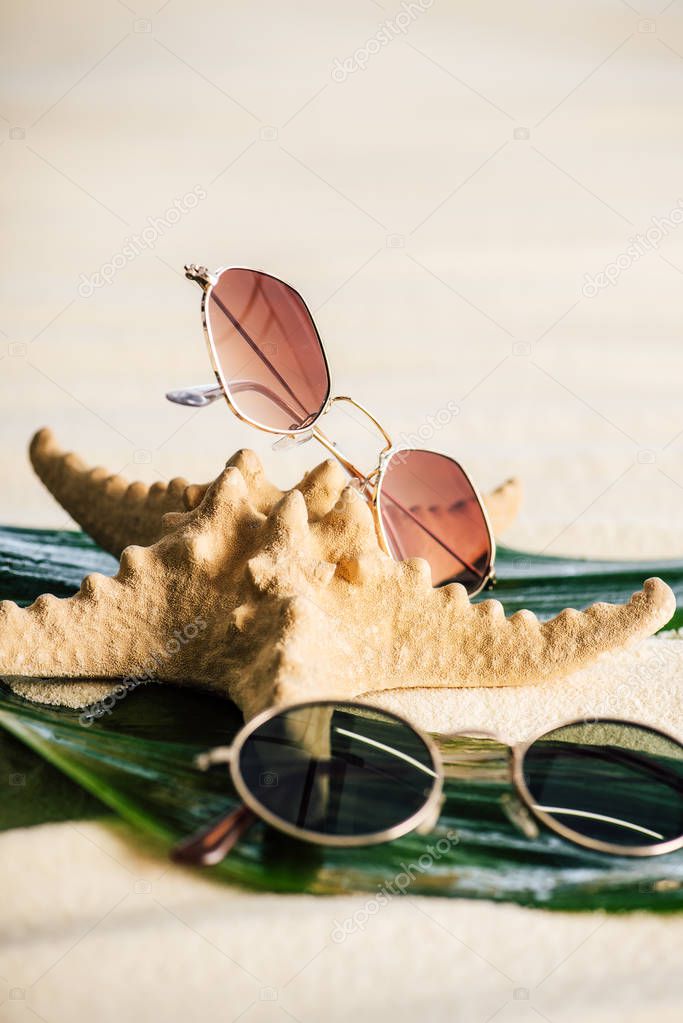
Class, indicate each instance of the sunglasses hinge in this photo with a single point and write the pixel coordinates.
(200, 275)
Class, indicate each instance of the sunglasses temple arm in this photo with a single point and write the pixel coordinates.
(206, 394)
(196, 397)
(210, 845)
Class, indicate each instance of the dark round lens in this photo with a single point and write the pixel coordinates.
(610, 782)
(337, 770)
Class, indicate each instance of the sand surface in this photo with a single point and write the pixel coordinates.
(439, 210)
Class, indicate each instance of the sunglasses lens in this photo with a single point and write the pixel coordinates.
(430, 510)
(339, 771)
(268, 350)
(610, 782)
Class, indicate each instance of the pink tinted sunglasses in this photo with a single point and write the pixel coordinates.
(271, 368)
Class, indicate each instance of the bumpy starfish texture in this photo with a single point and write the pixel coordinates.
(268, 605)
(116, 513)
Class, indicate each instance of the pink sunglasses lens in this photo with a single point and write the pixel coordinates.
(429, 510)
(268, 350)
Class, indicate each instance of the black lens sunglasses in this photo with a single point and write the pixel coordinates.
(347, 774)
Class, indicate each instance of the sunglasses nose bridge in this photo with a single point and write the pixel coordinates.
(466, 757)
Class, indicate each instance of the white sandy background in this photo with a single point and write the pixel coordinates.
(439, 209)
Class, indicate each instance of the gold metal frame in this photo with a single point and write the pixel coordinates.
(489, 579)
(370, 483)
(207, 282)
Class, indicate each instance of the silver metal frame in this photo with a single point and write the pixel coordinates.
(426, 818)
(519, 751)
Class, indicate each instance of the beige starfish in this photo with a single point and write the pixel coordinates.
(116, 513)
(269, 604)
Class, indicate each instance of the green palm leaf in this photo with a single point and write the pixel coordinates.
(138, 762)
